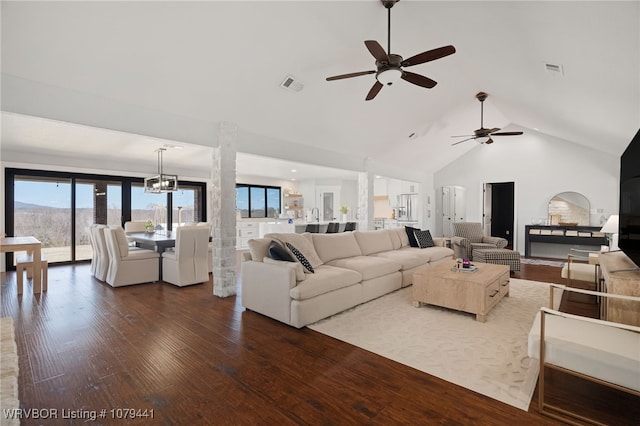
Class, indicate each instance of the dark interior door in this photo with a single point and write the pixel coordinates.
(502, 200)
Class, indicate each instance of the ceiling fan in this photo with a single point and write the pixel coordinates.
(483, 135)
(389, 66)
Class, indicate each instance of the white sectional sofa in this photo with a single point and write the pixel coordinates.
(349, 268)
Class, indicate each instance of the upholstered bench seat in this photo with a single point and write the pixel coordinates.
(580, 272)
(595, 348)
(498, 257)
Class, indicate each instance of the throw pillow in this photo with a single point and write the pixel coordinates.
(411, 234)
(258, 248)
(278, 252)
(300, 258)
(424, 239)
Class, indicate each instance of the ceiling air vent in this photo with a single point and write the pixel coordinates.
(554, 69)
(290, 83)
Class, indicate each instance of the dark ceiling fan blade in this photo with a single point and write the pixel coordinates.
(464, 140)
(489, 142)
(418, 79)
(353, 74)
(374, 91)
(507, 134)
(377, 51)
(429, 55)
(495, 129)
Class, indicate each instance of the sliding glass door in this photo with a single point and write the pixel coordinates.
(42, 208)
(59, 207)
(95, 202)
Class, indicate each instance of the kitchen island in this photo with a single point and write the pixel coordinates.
(298, 226)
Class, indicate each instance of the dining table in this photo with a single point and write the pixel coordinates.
(30, 245)
(158, 241)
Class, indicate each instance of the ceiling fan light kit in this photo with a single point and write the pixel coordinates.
(389, 66)
(483, 135)
(389, 76)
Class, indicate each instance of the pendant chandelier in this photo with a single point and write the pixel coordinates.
(161, 182)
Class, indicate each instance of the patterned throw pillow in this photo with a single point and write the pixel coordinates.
(424, 238)
(300, 258)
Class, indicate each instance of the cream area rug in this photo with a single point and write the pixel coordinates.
(489, 358)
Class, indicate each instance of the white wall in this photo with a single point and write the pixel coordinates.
(541, 166)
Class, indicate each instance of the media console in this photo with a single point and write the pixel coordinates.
(570, 235)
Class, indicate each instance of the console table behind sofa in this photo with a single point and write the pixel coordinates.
(585, 236)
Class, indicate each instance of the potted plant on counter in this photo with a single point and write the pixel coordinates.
(344, 210)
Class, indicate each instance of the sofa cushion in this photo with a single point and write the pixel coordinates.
(259, 248)
(402, 235)
(431, 254)
(302, 243)
(303, 260)
(407, 258)
(371, 242)
(368, 266)
(410, 231)
(395, 239)
(325, 279)
(424, 238)
(336, 246)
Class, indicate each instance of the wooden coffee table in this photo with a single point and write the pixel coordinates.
(474, 292)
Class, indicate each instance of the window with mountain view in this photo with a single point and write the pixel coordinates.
(42, 208)
(58, 208)
(255, 201)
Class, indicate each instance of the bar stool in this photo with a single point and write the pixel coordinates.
(24, 261)
(333, 227)
(312, 227)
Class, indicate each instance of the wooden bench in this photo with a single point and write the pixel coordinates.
(24, 261)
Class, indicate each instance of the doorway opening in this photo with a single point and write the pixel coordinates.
(499, 210)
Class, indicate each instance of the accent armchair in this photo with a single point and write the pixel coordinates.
(469, 236)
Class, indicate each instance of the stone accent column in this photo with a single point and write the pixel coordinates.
(222, 202)
(365, 201)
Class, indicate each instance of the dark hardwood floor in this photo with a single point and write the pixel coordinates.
(196, 359)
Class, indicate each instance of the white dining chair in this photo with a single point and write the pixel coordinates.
(126, 266)
(210, 247)
(187, 264)
(100, 254)
(94, 254)
(135, 226)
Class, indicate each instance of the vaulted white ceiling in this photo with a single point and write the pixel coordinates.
(213, 61)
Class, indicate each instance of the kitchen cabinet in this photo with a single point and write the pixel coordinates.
(244, 232)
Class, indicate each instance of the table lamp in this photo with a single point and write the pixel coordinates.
(610, 229)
